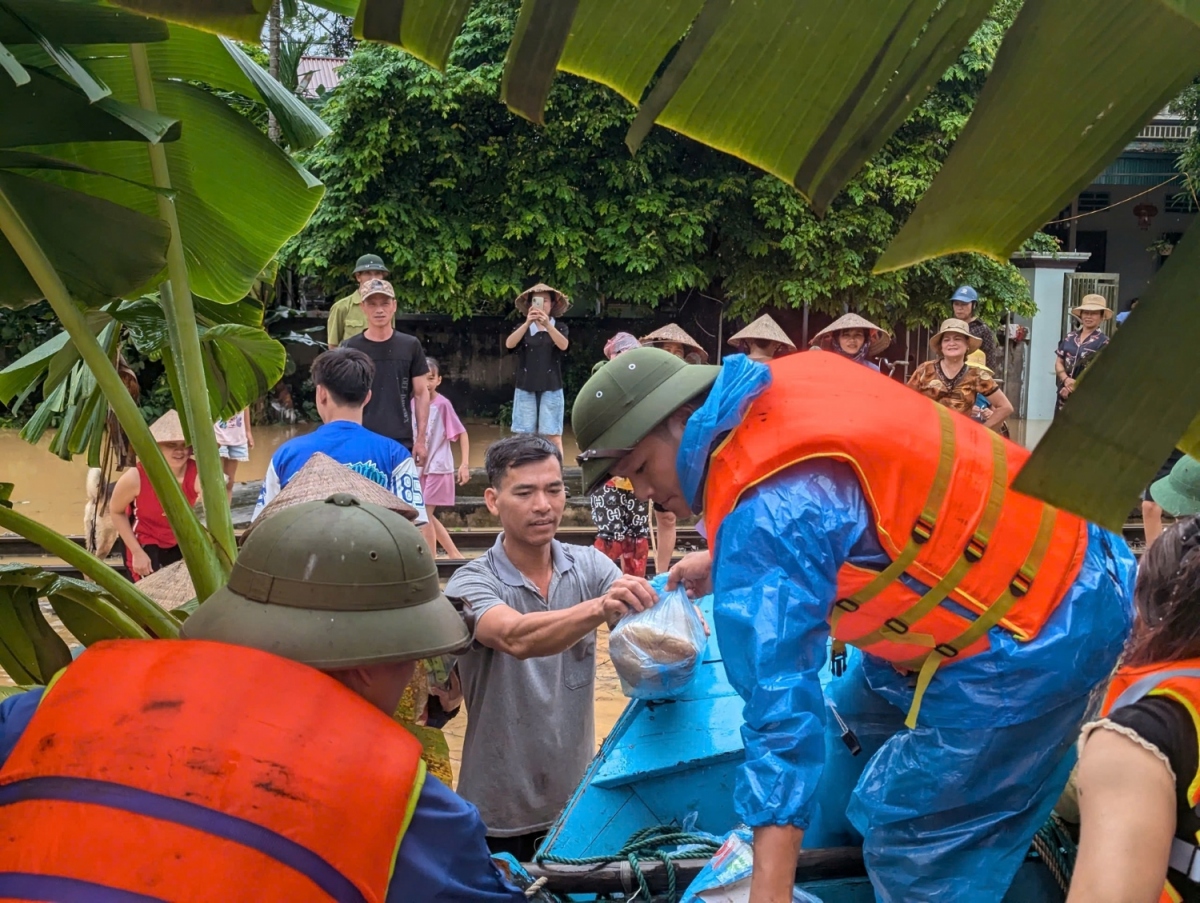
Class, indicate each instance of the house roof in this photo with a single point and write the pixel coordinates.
(318, 72)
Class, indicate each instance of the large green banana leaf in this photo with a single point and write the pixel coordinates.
(100, 248)
(81, 108)
(1026, 151)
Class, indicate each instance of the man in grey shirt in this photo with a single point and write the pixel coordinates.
(533, 606)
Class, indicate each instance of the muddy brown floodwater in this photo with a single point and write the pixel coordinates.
(53, 491)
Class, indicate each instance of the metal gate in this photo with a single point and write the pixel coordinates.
(1076, 285)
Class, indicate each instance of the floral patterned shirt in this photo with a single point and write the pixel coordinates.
(1076, 354)
(958, 393)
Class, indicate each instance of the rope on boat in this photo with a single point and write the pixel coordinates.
(647, 845)
(1057, 849)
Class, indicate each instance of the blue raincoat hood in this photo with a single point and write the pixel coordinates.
(740, 381)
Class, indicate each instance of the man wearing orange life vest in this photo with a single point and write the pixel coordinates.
(227, 766)
(840, 504)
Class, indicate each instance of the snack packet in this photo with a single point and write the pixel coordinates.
(656, 652)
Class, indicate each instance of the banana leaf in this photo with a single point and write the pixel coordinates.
(242, 362)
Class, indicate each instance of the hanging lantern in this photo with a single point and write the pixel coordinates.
(1145, 213)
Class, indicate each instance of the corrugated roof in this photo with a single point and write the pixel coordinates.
(318, 72)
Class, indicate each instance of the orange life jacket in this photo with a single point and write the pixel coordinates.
(937, 484)
(190, 770)
(1179, 681)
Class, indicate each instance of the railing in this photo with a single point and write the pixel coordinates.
(1161, 132)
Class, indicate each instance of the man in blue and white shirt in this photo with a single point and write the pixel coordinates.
(343, 380)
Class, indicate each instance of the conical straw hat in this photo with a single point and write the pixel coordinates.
(672, 332)
(765, 329)
(1093, 302)
(877, 337)
(168, 428)
(559, 306)
(170, 587)
(321, 477)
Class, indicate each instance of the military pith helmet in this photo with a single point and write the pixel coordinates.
(627, 398)
(370, 263)
(334, 584)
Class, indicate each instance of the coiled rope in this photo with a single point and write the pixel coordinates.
(649, 845)
(1057, 849)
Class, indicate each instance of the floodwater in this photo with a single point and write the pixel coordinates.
(53, 491)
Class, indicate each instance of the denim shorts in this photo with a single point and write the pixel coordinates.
(235, 452)
(538, 412)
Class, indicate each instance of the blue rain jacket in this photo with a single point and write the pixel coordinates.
(775, 579)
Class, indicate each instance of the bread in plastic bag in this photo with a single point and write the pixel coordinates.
(656, 652)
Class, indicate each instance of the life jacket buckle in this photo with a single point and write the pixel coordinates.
(1020, 585)
(847, 605)
(922, 530)
(895, 625)
(837, 664)
(945, 650)
(975, 549)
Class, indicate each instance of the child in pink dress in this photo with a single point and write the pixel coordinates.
(437, 475)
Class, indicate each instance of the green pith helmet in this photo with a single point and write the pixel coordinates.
(626, 399)
(1179, 491)
(370, 262)
(334, 584)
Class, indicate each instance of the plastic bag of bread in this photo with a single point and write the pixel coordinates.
(656, 651)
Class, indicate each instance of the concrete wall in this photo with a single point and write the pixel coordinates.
(478, 372)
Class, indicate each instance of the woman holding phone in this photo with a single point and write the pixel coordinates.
(540, 342)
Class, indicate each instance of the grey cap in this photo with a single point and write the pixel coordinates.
(334, 584)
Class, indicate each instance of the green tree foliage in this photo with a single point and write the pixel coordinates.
(470, 203)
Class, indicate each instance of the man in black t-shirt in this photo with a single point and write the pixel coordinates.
(399, 359)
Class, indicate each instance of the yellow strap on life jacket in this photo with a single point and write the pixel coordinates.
(1018, 587)
(897, 627)
(921, 531)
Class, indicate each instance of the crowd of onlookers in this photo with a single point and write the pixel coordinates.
(533, 604)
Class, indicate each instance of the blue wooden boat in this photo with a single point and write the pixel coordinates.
(673, 763)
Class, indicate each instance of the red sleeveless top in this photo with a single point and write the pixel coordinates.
(150, 524)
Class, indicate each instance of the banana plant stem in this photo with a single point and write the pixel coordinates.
(205, 567)
(127, 596)
(180, 313)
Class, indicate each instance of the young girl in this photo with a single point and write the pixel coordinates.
(136, 512)
(234, 441)
(437, 476)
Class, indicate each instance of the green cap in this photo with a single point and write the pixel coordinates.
(627, 398)
(369, 262)
(1179, 491)
(334, 584)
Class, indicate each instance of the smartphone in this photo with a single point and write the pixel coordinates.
(539, 303)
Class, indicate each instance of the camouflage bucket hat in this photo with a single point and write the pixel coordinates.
(627, 398)
(334, 584)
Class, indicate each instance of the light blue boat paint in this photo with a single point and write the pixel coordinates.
(674, 762)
